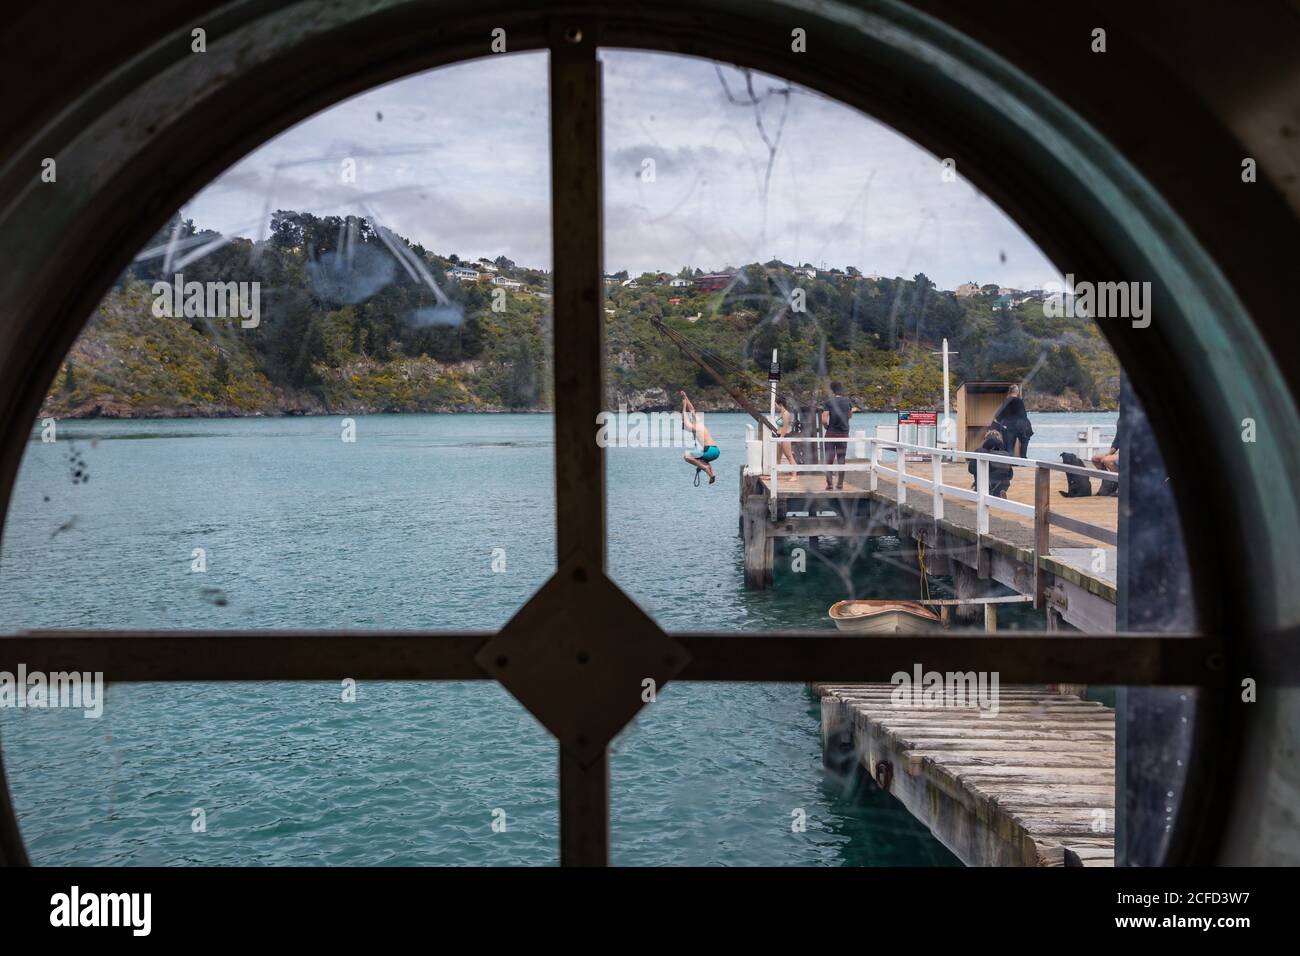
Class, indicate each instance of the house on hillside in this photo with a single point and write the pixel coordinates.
(462, 274)
(485, 265)
(967, 289)
(507, 283)
(679, 283)
(630, 284)
(713, 282)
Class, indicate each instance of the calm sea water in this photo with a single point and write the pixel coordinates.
(401, 529)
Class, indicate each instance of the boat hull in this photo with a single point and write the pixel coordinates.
(884, 617)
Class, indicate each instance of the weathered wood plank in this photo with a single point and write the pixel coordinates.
(1005, 758)
(1015, 788)
(1009, 741)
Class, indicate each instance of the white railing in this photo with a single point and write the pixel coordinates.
(929, 478)
(1089, 439)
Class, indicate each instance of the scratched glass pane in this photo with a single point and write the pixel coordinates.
(310, 401)
(837, 374)
(285, 774)
(766, 248)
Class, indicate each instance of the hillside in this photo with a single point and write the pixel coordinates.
(350, 322)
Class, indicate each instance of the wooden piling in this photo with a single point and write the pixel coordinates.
(760, 551)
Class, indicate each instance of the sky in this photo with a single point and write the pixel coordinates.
(698, 172)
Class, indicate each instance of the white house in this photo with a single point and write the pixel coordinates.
(630, 284)
(810, 272)
(486, 265)
(507, 283)
(462, 274)
(679, 283)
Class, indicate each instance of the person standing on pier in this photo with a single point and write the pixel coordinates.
(835, 420)
(784, 449)
(707, 451)
(1012, 420)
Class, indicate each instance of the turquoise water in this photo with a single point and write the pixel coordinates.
(402, 529)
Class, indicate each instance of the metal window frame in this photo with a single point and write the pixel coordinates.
(878, 59)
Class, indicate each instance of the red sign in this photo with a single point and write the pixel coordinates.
(908, 417)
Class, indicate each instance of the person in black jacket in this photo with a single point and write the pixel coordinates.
(1012, 420)
(999, 475)
(1110, 460)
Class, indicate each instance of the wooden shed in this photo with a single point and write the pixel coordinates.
(977, 403)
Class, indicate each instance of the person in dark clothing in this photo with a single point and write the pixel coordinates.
(999, 475)
(1110, 460)
(1012, 420)
(835, 421)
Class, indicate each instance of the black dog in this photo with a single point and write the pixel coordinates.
(1080, 486)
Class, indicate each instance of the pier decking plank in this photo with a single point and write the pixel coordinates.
(1032, 786)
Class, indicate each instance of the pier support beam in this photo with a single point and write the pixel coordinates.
(760, 551)
(967, 584)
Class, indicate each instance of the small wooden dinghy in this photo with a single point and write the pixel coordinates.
(883, 617)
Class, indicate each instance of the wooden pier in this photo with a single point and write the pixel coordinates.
(1060, 551)
(1033, 785)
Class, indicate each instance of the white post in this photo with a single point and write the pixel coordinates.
(936, 476)
(946, 437)
(769, 459)
(753, 452)
(900, 464)
(982, 493)
(771, 404)
(1094, 441)
(874, 478)
(860, 446)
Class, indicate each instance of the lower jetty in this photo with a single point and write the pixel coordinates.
(1030, 783)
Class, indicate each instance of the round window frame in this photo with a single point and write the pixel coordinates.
(1067, 185)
